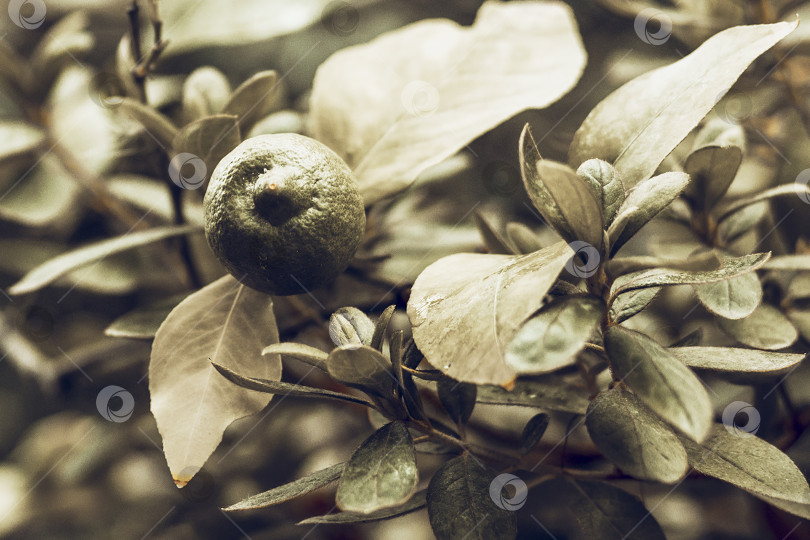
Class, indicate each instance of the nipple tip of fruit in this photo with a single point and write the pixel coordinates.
(275, 195)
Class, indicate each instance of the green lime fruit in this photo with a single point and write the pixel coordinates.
(283, 213)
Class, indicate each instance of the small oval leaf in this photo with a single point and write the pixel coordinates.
(667, 386)
(381, 472)
(634, 438)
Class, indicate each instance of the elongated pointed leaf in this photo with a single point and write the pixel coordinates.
(711, 170)
(381, 473)
(459, 503)
(414, 503)
(253, 99)
(413, 97)
(765, 328)
(143, 322)
(733, 298)
(753, 465)
(634, 438)
(606, 512)
(465, 309)
(788, 262)
(732, 267)
(533, 431)
(294, 489)
(299, 351)
(662, 382)
(552, 338)
(156, 124)
(289, 389)
(224, 322)
(566, 201)
(793, 189)
(57, 267)
(209, 139)
(734, 360)
(522, 238)
(643, 203)
(639, 124)
(548, 392)
(707, 260)
(457, 398)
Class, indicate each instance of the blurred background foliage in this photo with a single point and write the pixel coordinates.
(72, 171)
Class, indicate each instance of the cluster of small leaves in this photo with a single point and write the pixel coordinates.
(546, 327)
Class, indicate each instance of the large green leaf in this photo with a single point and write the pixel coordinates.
(639, 124)
(731, 267)
(765, 328)
(413, 97)
(634, 438)
(733, 298)
(643, 203)
(753, 465)
(57, 267)
(665, 384)
(604, 511)
(466, 308)
(552, 338)
(747, 362)
(459, 503)
(294, 489)
(381, 472)
(226, 323)
(566, 202)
